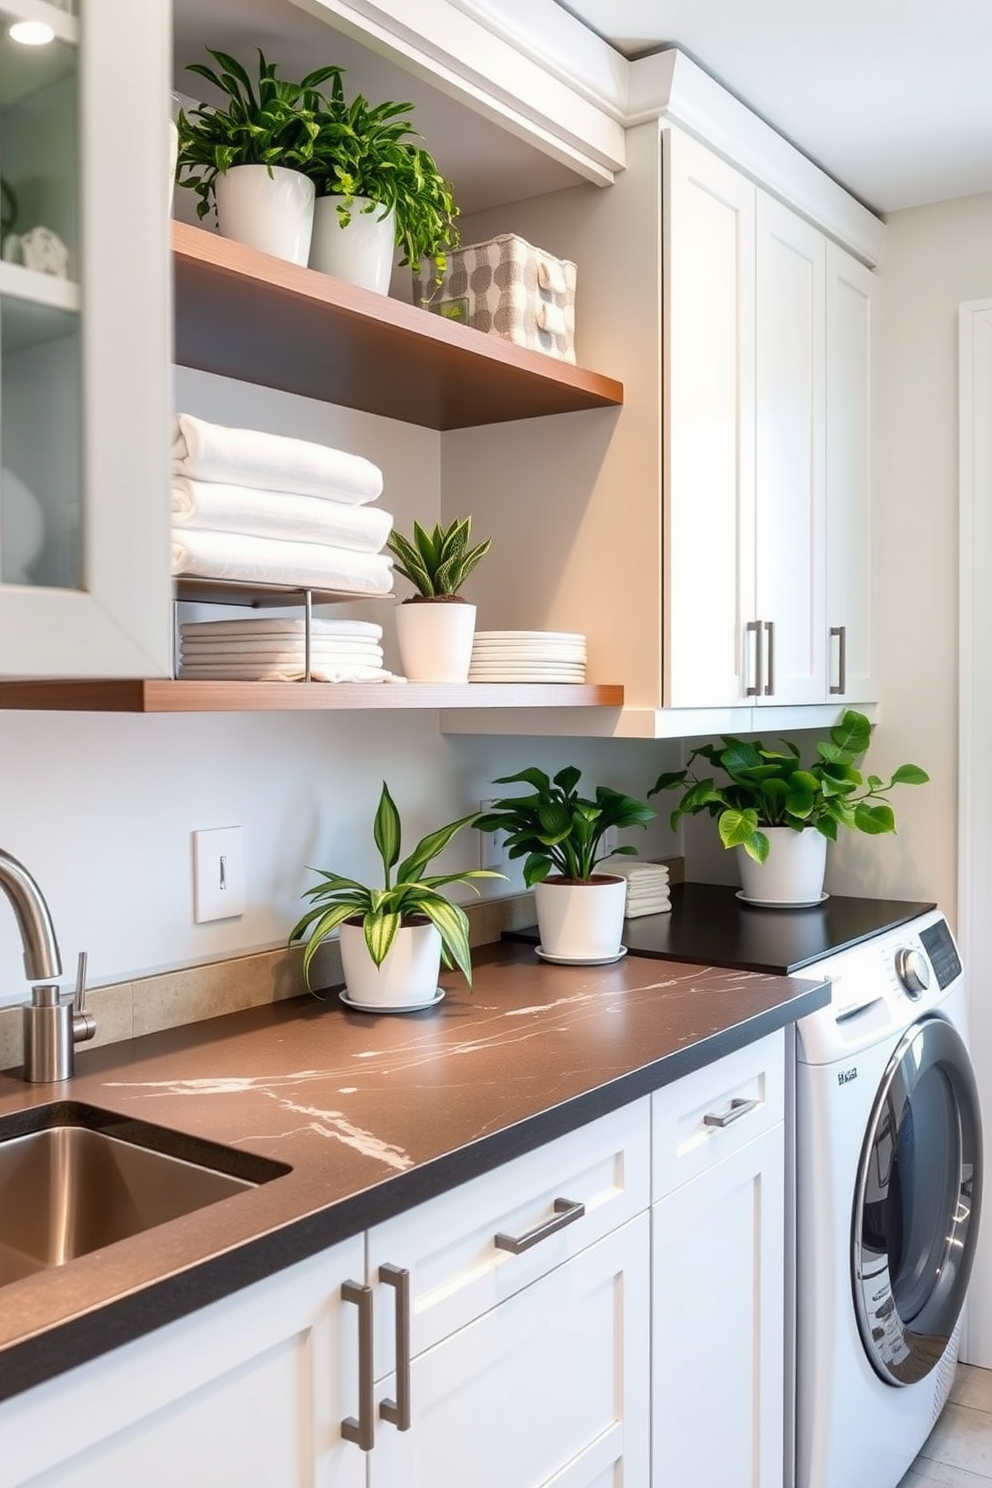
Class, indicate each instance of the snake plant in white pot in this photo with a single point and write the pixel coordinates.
(393, 938)
(435, 627)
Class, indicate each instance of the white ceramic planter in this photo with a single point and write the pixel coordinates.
(435, 639)
(408, 975)
(361, 253)
(581, 921)
(792, 873)
(273, 213)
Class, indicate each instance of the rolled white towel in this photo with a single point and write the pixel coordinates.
(276, 625)
(263, 560)
(280, 514)
(274, 462)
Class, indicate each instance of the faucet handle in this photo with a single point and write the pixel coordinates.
(83, 1023)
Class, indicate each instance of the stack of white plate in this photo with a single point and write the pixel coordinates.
(528, 656)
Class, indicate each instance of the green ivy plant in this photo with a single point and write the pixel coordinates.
(361, 151)
(437, 563)
(555, 829)
(273, 122)
(411, 897)
(773, 788)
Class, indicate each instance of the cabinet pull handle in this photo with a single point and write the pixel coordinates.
(566, 1213)
(362, 1431)
(738, 1107)
(770, 635)
(398, 1411)
(753, 627)
(840, 631)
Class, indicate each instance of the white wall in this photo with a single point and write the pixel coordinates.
(100, 808)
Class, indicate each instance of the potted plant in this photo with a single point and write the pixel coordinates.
(378, 189)
(250, 158)
(393, 938)
(780, 813)
(435, 627)
(559, 834)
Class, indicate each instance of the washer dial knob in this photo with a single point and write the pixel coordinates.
(913, 970)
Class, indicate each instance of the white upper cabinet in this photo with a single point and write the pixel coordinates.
(84, 342)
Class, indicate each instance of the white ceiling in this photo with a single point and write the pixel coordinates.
(893, 98)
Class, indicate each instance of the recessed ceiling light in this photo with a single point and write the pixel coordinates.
(31, 33)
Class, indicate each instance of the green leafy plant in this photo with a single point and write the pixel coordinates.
(437, 563)
(375, 153)
(275, 125)
(411, 897)
(557, 830)
(772, 788)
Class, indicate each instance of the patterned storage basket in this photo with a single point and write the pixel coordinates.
(508, 288)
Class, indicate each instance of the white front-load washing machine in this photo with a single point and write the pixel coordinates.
(888, 1195)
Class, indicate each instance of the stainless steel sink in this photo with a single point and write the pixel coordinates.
(74, 1179)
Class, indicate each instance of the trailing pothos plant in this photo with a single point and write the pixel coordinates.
(558, 831)
(773, 788)
(437, 563)
(410, 897)
(269, 122)
(373, 152)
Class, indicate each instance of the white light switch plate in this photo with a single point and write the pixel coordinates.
(218, 875)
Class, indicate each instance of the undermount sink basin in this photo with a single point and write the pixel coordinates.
(74, 1178)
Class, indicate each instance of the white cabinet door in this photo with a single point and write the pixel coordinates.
(850, 293)
(549, 1388)
(790, 526)
(709, 422)
(251, 1391)
(84, 357)
(717, 1312)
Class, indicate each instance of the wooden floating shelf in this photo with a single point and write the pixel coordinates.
(246, 315)
(139, 696)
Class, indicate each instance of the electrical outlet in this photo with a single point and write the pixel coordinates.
(218, 875)
(608, 842)
(492, 848)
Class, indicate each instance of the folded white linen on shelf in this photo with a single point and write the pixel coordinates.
(659, 906)
(636, 871)
(647, 885)
(265, 560)
(275, 462)
(280, 646)
(276, 625)
(220, 672)
(280, 514)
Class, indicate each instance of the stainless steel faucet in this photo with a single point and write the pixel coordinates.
(52, 1025)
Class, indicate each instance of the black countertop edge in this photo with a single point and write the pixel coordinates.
(34, 1360)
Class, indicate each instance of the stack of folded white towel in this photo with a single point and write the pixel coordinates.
(256, 508)
(274, 650)
(647, 885)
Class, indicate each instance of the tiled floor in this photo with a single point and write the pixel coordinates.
(958, 1451)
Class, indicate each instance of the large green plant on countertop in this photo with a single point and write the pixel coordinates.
(773, 788)
(273, 122)
(412, 895)
(373, 152)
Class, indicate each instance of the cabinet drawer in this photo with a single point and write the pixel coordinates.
(457, 1270)
(695, 1121)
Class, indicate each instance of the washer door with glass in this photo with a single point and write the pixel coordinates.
(917, 1203)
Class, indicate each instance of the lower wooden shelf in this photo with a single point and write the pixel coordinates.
(128, 695)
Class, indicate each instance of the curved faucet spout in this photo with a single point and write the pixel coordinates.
(42, 962)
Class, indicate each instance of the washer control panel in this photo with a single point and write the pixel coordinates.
(913, 970)
(939, 946)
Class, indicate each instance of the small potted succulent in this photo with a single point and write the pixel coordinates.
(378, 189)
(435, 627)
(780, 813)
(393, 938)
(250, 158)
(559, 834)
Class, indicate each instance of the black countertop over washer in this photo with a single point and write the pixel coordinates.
(709, 926)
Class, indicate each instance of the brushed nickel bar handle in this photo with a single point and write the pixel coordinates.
(566, 1213)
(738, 1107)
(362, 1431)
(753, 627)
(770, 636)
(398, 1411)
(840, 631)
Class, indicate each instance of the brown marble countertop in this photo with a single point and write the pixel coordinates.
(373, 1114)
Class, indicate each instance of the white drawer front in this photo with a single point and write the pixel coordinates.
(448, 1245)
(686, 1131)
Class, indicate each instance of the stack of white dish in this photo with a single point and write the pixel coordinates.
(528, 656)
(274, 650)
